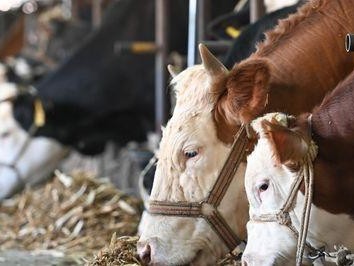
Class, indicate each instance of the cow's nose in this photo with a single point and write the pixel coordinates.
(145, 254)
(244, 262)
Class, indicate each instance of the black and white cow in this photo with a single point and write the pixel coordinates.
(98, 95)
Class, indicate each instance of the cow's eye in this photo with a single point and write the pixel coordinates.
(263, 187)
(4, 134)
(190, 154)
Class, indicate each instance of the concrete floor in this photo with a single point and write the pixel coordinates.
(26, 258)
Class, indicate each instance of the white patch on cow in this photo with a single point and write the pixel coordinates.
(36, 162)
(274, 244)
(3, 71)
(191, 130)
(272, 5)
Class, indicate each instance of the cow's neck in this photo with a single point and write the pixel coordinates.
(69, 125)
(308, 58)
(333, 123)
(333, 131)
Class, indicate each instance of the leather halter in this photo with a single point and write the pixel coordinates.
(208, 208)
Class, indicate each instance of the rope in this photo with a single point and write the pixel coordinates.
(341, 257)
(308, 173)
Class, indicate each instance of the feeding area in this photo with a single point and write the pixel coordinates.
(190, 132)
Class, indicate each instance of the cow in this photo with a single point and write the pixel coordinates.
(288, 72)
(95, 97)
(12, 169)
(276, 163)
(242, 47)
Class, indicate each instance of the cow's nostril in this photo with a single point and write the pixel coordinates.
(244, 261)
(145, 254)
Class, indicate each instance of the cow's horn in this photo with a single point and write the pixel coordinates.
(212, 65)
(172, 70)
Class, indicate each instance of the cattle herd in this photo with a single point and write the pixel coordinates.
(257, 158)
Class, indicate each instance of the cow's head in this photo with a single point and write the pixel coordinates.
(195, 143)
(271, 171)
(32, 164)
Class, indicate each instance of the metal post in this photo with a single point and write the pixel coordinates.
(161, 29)
(67, 9)
(192, 32)
(257, 10)
(349, 42)
(75, 9)
(203, 18)
(199, 16)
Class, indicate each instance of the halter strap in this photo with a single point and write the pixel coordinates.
(208, 208)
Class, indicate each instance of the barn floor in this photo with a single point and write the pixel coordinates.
(30, 258)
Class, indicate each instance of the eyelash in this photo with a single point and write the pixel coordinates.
(190, 154)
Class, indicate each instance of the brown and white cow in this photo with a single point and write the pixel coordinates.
(275, 164)
(299, 62)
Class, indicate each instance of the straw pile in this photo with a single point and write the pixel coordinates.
(122, 251)
(76, 215)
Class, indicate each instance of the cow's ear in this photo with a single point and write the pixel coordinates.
(172, 70)
(247, 88)
(211, 64)
(288, 146)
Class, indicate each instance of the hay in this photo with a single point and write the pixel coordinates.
(121, 251)
(76, 215)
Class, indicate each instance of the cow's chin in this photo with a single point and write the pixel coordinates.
(203, 258)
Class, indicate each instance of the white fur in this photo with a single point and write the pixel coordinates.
(272, 5)
(3, 71)
(175, 240)
(38, 160)
(274, 244)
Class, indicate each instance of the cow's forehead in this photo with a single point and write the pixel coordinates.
(192, 88)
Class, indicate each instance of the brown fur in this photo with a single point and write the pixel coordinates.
(333, 132)
(286, 27)
(289, 146)
(250, 82)
(300, 60)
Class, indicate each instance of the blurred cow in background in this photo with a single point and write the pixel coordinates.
(101, 94)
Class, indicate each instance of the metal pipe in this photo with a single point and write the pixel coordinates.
(192, 32)
(349, 42)
(203, 18)
(257, 10)
(161, 29)
(67, 9)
